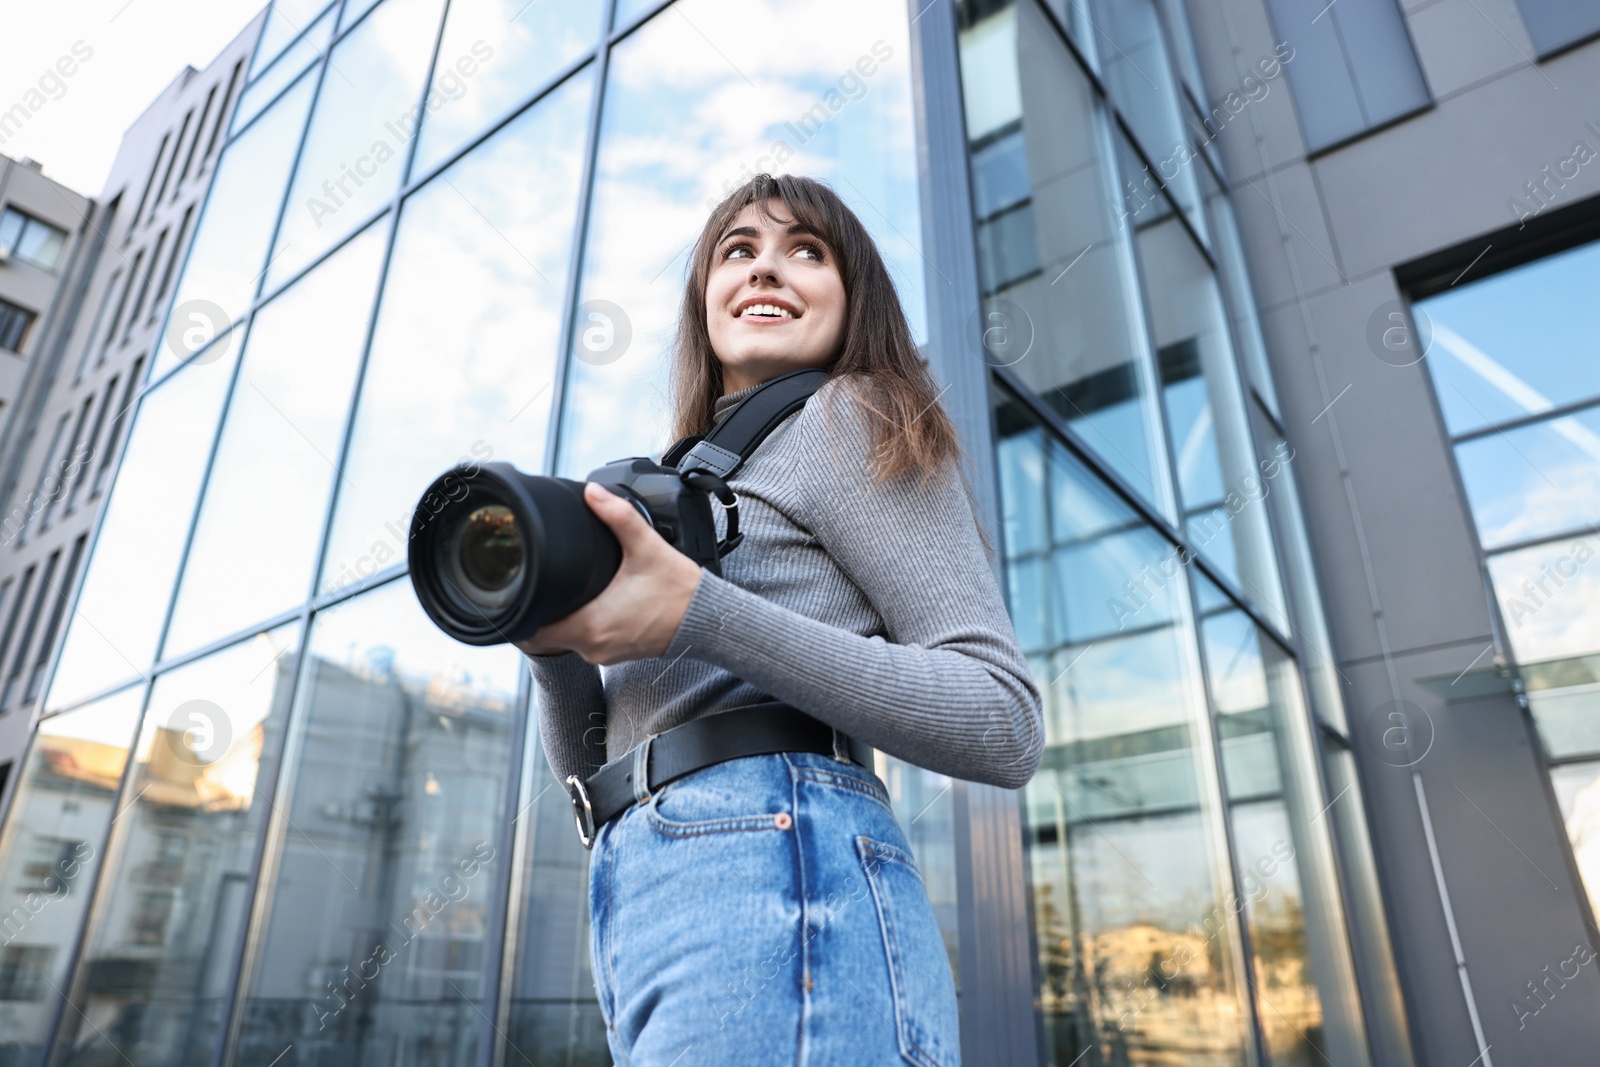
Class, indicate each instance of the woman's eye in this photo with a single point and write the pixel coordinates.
(734, 252)
(811, 252)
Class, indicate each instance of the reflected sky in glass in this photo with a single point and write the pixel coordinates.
(464, 352)
(298, 57)
(1516, 343)
(117, 621)
(494, 53)
(366, 115)
(262, 515)
(1535, 481)
(696, 102)
(286, 19)
(1577, 789)
(389, 838)
(229, 251)
(188, 838)
(64, 799)
(353, 10)
(1548, 597)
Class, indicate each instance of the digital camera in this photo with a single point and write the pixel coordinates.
(496, 553)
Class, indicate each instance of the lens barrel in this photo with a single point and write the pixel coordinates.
(496, 553)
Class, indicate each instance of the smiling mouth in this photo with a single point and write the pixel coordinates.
(766, 313)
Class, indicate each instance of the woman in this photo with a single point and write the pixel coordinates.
(766, 908)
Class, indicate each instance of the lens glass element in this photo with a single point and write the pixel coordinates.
(489, 548)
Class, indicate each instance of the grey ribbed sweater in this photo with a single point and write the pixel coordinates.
(872, 607)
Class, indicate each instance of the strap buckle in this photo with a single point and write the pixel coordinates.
(582, 811)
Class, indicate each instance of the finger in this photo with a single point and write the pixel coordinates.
(621, 516)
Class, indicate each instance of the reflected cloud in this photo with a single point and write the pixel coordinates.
(696, 103)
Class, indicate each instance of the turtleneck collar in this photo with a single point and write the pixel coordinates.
(725, 404)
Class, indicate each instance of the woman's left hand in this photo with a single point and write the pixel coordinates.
(637, 615)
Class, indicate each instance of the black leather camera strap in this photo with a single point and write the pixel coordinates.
(753, 730)
(733, 440)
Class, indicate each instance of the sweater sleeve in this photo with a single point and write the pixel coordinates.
(572, 714)
(946, 687)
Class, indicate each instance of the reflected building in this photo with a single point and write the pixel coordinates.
(1267, 458)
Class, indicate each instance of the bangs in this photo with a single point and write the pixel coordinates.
(816, 214)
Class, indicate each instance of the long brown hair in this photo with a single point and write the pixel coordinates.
(877, 359)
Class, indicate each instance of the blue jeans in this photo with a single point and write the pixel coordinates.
(767, 910)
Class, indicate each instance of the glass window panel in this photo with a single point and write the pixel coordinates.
(695, 103)
(1220, 485)
(285, 22)
(63, 802)
(1352, 68)
(493, 55)
(374, 945)
(117, 620)
(1182, 36)
(1241, 301)
(1124, 859)
(1564, 697)
(1282, 855)
(160, 955)
(353, 10)
(1554, 24)
(464, 350)
(11, 223)
(229, 250)
(554, 1016)
(1138, 75)
(41, 244)
(355, 150)
(628, 10)
(925, 807)
(1536, 481)
(1577, 789)
(1548, 596)
(300, 55)
(1070, 329)
(1517, 343)
(262, 515)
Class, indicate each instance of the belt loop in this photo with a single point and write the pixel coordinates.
(841, 746)
(641, 769)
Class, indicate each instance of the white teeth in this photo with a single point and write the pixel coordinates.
(767, 309)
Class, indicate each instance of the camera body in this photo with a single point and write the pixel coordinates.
(495, 553)
(680, 513)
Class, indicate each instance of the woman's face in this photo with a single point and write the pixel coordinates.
(774, 299)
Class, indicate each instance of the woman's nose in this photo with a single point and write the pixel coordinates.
(764, 268)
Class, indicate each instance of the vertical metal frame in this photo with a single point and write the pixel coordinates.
(999, 1024)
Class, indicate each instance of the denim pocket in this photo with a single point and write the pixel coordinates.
(849, 776)
(724, 798)
(925, 1013)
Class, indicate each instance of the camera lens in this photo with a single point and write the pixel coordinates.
(486, 551)
(495, 553)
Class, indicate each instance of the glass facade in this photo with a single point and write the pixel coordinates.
(272, 815)
(1520, 397)
(1186, 892)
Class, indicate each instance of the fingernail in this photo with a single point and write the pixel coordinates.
(602, 490)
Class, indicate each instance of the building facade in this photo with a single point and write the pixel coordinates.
(269, 814)
(41, 227)
(74, 402)
(1416, 202)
